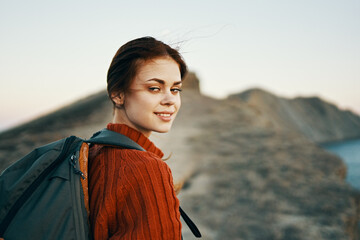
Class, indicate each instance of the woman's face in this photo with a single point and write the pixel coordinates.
(153, 99)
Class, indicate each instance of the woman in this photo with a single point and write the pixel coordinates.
(131, 192)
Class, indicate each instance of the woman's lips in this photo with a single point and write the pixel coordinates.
(165, 116)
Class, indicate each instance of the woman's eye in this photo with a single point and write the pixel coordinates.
(176, 90)
(154, 89)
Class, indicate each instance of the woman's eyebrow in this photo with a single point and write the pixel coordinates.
(162, 82)
(157, 80)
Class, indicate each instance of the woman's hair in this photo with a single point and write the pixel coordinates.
(129, 57)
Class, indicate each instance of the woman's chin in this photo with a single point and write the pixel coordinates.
(164, 129)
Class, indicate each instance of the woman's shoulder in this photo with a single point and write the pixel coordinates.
(143, 167)
(127, 162)
(136, 169)
(131, 156)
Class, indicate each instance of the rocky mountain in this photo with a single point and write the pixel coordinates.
(317, 119)
(244, 176)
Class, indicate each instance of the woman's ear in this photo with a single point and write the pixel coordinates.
(118, 99)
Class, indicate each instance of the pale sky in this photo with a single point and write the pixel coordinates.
(54, 52)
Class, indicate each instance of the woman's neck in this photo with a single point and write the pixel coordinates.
(121, 118)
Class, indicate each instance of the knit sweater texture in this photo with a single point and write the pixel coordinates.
(131, 192)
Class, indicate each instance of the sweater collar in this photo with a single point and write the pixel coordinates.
(136, 136)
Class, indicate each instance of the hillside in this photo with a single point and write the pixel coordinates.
(244, 176)
(318, 120)
(79, 118)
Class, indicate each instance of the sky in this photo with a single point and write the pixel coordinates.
(55, 52)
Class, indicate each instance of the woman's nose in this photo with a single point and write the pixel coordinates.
(168, 98)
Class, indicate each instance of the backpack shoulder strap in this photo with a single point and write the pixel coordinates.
(190, 223)
(109, 137)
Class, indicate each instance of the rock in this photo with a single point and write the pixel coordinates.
(192, 82)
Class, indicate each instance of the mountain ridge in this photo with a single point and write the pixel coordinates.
(318, 120)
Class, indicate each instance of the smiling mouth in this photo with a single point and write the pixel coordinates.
(165, 116)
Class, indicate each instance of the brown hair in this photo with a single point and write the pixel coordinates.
(127, 59)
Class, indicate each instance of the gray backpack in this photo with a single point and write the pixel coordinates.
(42, 195)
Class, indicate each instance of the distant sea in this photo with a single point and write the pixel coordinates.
(349, 151)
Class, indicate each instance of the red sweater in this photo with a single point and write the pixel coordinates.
(131, 192)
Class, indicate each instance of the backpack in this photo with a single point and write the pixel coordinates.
(42, 194)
